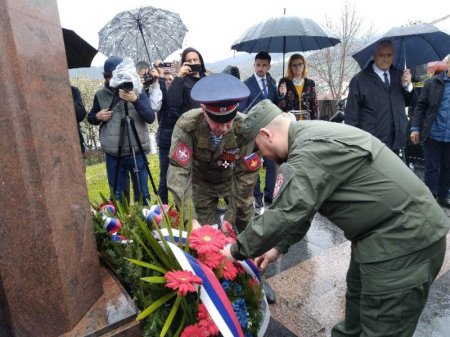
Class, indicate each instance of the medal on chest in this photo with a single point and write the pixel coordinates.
(228, 158)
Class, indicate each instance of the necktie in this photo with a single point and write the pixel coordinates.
(263, 81)
(386, 80)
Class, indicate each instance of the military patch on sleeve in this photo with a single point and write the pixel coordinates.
(252, 161)
(278, 184)
(182, 154)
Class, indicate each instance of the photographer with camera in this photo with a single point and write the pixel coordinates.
(179, 95)
(119, 97)
(152, 84)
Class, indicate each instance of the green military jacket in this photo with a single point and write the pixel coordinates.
(194, 159)
(355, 181)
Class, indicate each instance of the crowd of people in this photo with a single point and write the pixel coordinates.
(215, 133)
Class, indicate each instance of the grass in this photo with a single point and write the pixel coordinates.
(97, 182)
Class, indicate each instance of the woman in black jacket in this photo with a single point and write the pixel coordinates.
(296, 91)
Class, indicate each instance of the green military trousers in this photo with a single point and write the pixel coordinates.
(205, 197)
(385, 299)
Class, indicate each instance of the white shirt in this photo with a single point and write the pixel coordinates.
(380, 74)
(260, 83)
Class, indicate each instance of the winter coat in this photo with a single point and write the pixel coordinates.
(428, 105)
(378, 109)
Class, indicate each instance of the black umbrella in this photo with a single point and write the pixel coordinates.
(414, 45)
(79, 53)
(285, 34)
(146, 33)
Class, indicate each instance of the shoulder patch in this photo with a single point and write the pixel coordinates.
(182, 154)
(278, 184)
(252, 161)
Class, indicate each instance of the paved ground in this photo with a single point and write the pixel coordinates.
(310, 286)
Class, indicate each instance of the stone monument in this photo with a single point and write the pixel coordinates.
(49, 269)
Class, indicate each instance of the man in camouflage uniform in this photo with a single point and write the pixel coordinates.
(398, 231)
(206, 155)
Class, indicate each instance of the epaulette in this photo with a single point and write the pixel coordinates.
(189, 120)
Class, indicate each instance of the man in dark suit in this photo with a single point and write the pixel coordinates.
(262, 86)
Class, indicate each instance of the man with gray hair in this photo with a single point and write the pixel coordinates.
(377, 98)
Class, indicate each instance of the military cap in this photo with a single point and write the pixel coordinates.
(257, 118)
(220, 94)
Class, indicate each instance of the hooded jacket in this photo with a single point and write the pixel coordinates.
(179, 93)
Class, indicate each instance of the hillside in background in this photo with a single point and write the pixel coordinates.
(94, 73)
(243, 61)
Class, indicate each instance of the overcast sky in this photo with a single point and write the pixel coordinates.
(214, 25)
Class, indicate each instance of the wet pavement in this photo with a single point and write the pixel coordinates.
(310, 285)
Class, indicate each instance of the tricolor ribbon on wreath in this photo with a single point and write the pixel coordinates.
(112, 225)
(212, 294)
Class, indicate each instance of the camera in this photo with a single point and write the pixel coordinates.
(148, 80)
(195, 68)
(126, 86)
(164, 65)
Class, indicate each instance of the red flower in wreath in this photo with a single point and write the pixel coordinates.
(182, 280)
(207, 239)
(229, 270)
(205, 321)
(194, 331)
(212, 259)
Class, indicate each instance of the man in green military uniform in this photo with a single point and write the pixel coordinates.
(206, 155)
(397, 230)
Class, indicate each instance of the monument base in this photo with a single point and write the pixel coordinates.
(113, 315)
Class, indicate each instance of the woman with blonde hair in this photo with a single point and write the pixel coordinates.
(296, 91)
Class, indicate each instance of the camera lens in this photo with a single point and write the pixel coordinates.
(148, 80)
(127, 86)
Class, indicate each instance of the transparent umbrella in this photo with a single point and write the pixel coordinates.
(146, 33)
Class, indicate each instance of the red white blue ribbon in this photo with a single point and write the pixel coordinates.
(111, 225)
(211, 294)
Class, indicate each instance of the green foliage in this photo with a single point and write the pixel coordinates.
(141, 266)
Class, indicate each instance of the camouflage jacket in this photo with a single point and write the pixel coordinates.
(194, 159)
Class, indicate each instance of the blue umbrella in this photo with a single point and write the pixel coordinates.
(285, 34)
(414, 45)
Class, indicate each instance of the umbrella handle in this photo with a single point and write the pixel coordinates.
(404, 52)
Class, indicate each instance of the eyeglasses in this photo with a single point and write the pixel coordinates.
(297, 65)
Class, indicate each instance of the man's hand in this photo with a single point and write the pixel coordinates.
(184, 70)
(227, 253)
(406, 78)
(415, 137)
(268, 257)
(129, 96)
(282, 89)
(104, 115)
(195, 224)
